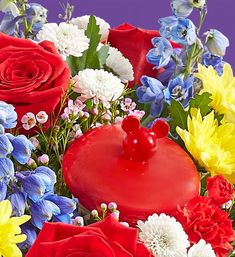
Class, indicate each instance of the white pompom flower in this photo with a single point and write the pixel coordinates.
(120, 65)
(164, 236)
(201, 249)
(83, 21)
(68, 39)
(98, 84)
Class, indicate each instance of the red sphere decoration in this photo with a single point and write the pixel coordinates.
(140, 169)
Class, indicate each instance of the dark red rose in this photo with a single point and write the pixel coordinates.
(219, 189)
(107, 238)
(135, 43)
(33, 77)
(202, 219)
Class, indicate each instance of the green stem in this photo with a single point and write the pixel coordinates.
(147, 120)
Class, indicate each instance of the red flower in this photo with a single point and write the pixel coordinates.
(107, 238)
(33, 77)
(219, 190)
(135, 43)
(201, 219)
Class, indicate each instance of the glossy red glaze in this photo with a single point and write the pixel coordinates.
(97, 170)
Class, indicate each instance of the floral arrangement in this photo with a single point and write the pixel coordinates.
(59, 83)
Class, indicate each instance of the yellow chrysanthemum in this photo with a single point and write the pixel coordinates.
(222, 89)
(10, 231)
(211, 145)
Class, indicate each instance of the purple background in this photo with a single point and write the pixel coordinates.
(145, 13)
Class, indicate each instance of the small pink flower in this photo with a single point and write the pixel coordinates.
(34, 141)
(44, 159)
(128, 105)
(28, 121)
(42, 117)
(137, 113)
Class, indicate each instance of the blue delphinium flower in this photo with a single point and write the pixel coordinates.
(66, 205)
(3, 191)
(22, 148)
(37, 15)
(54, 207)
(37, 183)
(180, 90)
(8, 115)
(9, 23)
(5, 146)
(29, 230)
(18, 202)
(160, 55)
(179, 29)
(183, 8)
(151, 92)
(216, 42)
(216, 62)
(42, 211)
(6, 170)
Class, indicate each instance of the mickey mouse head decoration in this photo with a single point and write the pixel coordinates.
(140, 143)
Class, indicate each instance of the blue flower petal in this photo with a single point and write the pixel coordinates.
(65, 204)
(3, 191)
(43, 211)
(18, 202)
(6, 170)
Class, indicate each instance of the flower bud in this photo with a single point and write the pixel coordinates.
(44, 159)
(216, 42)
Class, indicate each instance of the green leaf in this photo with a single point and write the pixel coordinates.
(91, 59)
(178, 115)
(103, 54)
(76, 64)
(201, 102)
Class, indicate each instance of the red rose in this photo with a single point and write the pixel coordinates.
(219, 189)
(107, 238)
(135, 43)
(201, 219)
(33, 77)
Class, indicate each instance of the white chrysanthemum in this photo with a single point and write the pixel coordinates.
(68, 39)
(120, 65)
(201, 249)
(98, 84)
(83, 21)
(164, 236)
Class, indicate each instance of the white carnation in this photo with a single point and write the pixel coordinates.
(68, 39)
(164, 236)
(83, 21)
(201, 249)
(98, 84)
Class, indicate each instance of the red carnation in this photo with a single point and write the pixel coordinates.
(219, 190)
(202, 219)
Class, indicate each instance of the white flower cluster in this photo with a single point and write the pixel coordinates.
(68, 39)
(98, 84)
(82, 22)
(165, 237)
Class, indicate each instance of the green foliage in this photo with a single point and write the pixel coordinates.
(91, 58)
(201, 102)
(178, 115)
